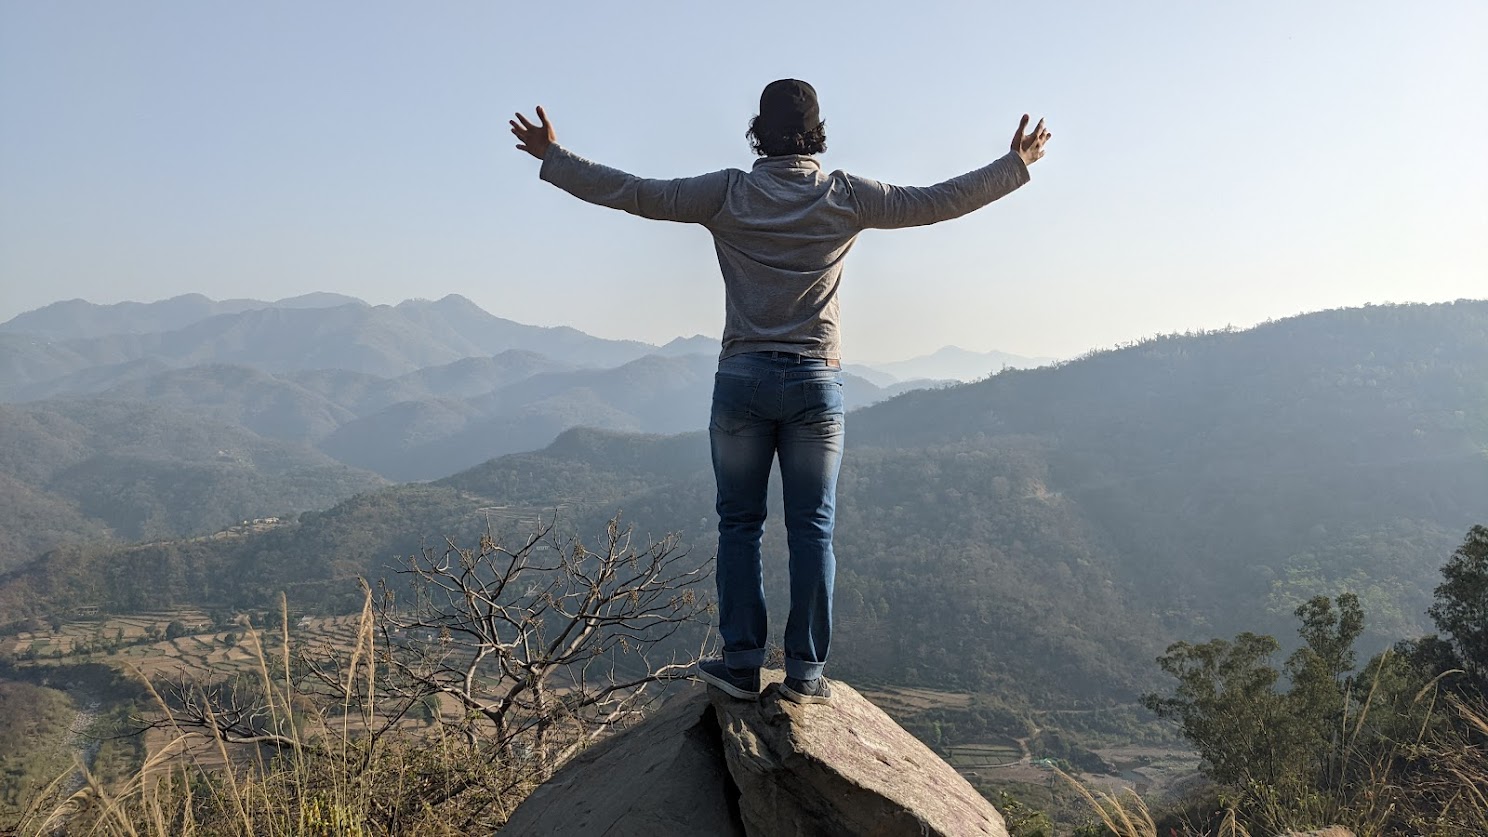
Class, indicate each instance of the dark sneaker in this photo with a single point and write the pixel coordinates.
(742, 683)
(806, 691)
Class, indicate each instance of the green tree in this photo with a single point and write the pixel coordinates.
(1461, 608)
(1228, 707)
(1248, 732)
(1329, 634)
(1320, 674)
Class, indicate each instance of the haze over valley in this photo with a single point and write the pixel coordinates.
(177, 418)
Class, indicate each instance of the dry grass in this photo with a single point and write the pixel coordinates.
(328, 777)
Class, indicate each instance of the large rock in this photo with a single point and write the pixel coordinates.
(710, 765)
(843, 769)
(663, 776)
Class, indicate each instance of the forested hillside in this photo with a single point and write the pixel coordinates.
(1042, 532)
(89, 470)
(1344, 449)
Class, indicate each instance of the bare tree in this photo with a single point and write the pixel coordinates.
(545, 644)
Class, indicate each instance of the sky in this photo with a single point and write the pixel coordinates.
(1211, 164)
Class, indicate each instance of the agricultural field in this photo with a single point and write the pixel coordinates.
(99, 634)
(977, 757)
(163, 642)
(900, 702)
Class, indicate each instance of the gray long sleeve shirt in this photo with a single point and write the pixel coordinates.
(782, 231)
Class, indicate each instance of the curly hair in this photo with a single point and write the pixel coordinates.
(775, 144)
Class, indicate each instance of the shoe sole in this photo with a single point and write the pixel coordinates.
(726, 687)
(796, 697)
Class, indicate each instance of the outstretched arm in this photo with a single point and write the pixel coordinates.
(689, 200)
(882, 206)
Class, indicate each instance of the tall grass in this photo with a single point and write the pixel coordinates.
(314, 769)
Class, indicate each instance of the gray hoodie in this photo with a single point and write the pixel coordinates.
(782, 231)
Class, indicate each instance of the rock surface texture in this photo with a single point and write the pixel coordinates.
(707, 764)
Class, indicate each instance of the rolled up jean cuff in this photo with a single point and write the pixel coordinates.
(802, 670)
(744, 659)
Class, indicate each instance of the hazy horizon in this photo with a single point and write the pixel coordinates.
(663, 340)
(654, 340)
(1209, 166)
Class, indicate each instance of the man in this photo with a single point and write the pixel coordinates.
(782, 231)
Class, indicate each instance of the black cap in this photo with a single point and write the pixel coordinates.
(789, 106)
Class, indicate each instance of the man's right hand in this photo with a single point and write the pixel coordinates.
(535, 139)
(1030, 147)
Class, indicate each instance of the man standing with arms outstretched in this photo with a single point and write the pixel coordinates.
(782, 231)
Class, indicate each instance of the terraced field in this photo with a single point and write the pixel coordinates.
(92, 634)
(900, 702)
(984, 756)
(137, 645)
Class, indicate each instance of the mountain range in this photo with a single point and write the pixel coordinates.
(956, 363)
(1040, 533)
(364, 393)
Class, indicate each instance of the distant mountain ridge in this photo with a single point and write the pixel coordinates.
(415, 390)
(956, 363)
(380, 340)
(64, 338)
(79, 319)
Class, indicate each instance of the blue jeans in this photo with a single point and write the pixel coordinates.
(767, 404)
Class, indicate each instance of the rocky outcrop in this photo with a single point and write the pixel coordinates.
(661, 777)
(710, 765)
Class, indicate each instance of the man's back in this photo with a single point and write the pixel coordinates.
(782, 231)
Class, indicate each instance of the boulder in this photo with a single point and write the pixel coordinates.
(706, 764)
(841, 770)
(664, 776)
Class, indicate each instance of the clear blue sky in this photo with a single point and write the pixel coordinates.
(1211, 164)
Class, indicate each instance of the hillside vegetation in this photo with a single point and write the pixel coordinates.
(84, 471)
